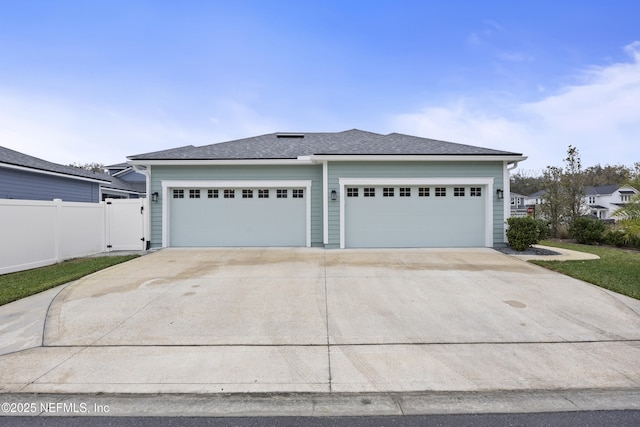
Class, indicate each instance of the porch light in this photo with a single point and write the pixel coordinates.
(500, 194)
(154, 197)
(334, 195)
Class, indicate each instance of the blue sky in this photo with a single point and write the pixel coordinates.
(96, 81)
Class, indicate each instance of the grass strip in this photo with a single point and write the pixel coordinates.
(14, 286)
(617, 269)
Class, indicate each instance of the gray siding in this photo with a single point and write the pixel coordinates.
(302, 172)
(15, 184)
(133, 176)
(415, 170)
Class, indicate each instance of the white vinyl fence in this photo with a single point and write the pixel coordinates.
(38, 233)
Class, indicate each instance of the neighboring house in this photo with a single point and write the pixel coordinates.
(126, 182)
(605, 200)
(343, 189)
(535, 198)
(30, 178)
(601, 202)
(518, 207)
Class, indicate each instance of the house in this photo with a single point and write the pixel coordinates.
(518, 207)
(30, 178)
(126, 182)
(334, 190)
(605, 200)
(602, 202)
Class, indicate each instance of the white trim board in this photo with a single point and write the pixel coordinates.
(169, 184)
(487, 182)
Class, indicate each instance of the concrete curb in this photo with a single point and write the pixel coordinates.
(566, 255)
(319, 404)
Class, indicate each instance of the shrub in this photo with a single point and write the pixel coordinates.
(544, 229)
(587, 230)
(615, 238)
(523, 232)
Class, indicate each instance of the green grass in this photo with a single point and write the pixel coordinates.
(617, 269)
(14, 286)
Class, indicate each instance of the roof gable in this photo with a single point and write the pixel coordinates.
(294, 145)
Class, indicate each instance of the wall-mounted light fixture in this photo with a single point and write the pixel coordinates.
(500, 194)
(154, 197)
(334, 195)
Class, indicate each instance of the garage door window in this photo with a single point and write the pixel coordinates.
(352, 192)
(387, 192)
(405, 192)
(476, 191)
(263, 193)
(281, 194)
(458, 191)
(369, 192)
(194, 194)
(298, 193)
(229, 193)
(247, 193)
(423, 192)
(178, 194)
(441, 192)
(212, 194)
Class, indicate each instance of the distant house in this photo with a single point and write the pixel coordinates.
(601, 202)
(518, 207)
(605, 200)
(30, 178)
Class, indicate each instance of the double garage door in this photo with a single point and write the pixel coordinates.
(414, 216)
(371, 215)
(238, 216)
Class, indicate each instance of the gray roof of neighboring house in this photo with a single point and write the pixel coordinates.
(602, 189)
(536, 194)
(294, 145)
(120, 184)
(16, 158)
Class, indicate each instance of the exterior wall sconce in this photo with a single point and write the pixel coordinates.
(500, 194)
(154, 197)
(334, 195)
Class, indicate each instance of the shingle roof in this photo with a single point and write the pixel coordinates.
(16, 158)
(294, 145)
(603, 189)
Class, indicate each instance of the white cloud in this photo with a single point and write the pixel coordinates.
(601, 116)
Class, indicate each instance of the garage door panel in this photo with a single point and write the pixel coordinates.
(415, 221)
(238, 221)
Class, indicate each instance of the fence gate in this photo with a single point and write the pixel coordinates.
(125, 229)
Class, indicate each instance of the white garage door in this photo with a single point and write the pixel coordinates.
(238, 216)
(415, 216)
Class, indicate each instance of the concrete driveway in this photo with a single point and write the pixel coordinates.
(314, 320)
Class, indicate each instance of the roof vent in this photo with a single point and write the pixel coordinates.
(289, 135)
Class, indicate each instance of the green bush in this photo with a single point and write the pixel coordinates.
(544, 229)
(523, 232)
(615, 238)
(587, 231)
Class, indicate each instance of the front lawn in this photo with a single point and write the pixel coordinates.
(14, 286)
(617, 269)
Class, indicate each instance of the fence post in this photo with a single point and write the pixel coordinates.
(57, 229)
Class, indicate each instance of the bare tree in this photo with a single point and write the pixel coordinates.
(93, 167)
(573, 181)
(553, 200)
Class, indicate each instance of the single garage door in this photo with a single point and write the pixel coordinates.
(237, 216)
(415, 216)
